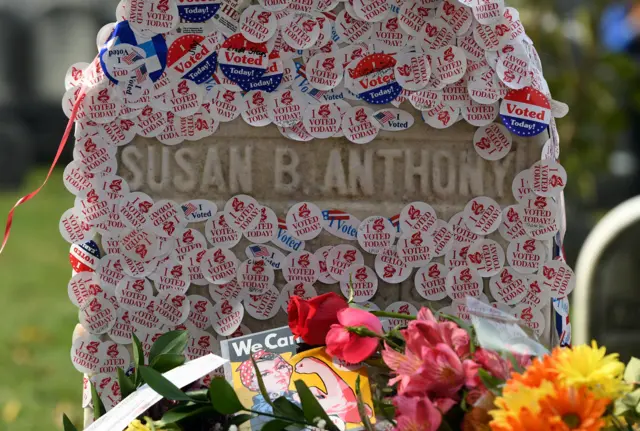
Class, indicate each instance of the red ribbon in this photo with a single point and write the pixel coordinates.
(27, 198)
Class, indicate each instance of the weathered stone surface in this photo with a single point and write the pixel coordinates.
(439, 167)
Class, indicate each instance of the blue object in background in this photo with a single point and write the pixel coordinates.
(617, 31)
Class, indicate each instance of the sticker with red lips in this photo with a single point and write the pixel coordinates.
(508, 287)
(376, 233)
(511, 227)
(219, 265)
(390, 268)
(486, 257)
(412, 71)
(134, 294)
(400, 307)
(362, 280)
(265, 306)
(547, 178)
(242, 60)
(492, 142)
(219, 233)
(285, 107)
(322, 121)
(255, 276)
(85, 355)
(166, 219)
(82, 287)
(430, 281)
(74, 227)
(97, 315)
(322, 254)
(226, 316)
(171, 276)
(359, 125)
(483, 215)
(390, 35)
(305, 291)
(301, 266)
(526, 255)
(111, 270)
(243, 213)
(185, 98)
(258, 24)
(462, 282)
(324, 71)
(139, 244)
(199, 312)
(539, 216)
(417, 216)
(255, 108)
(172, 309)
(340, 258)
(351, 29)
(416, 248)
(304, 221)
(374, 79)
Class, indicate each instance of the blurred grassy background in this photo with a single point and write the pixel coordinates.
(37, 381)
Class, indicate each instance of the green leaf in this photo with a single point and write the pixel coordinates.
(263, 390)
(167, 362)
(161, 385)
(126, 385)
(514, 362)
(491, 383)
(311, 407)
(98, 406)
(171, 343)
(632, 399)
(223, 397)
(632, 372)
(67, 424)
(620, 408)
(240, 419)
(351, 291)
(275, 425)
(182, 412)
(284, 407)
(361, 408)
(138, 359)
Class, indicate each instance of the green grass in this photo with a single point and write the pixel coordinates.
(37, 380)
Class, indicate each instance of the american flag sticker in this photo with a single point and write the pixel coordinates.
(329, 215)
(131, 58)
(394, 120)
(384, 116)
(189, 209)
(259, 251)
(282, 224)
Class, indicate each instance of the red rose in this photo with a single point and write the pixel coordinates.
(312, 319)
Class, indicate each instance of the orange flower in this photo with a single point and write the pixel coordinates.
(535, 374)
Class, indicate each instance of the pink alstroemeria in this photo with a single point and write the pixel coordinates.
(426, 331)
(407, 368)
(416, 414)
(444, 370)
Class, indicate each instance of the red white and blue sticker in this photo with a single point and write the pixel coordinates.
(242, 60)
(84, 257)
(526, 112)
(269, 81)
(374, 79)
(198, 10)
(194, 57)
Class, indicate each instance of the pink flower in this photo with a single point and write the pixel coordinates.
(353, 348)
(416, 414)
(444, 370)
(407, 368)
(493, 363)
(430, 333)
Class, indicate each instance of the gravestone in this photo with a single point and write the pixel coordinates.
(403, 171)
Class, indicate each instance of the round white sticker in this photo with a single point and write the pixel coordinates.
(172, 276)
(321, 254)
(97, 315)
(511, 227)
(538, 294)
(400, 307)
(229, 291)
(547, 178)
(134, 293)
(300, 30)
(324, 71)
(266, 229)
(258, 24)
(340, 259)
(430, 281)
(412, 71)
(416, 248)
(265, 306)
(483, 215)
(304, 221)
(362, 281)
(139, 244)
(530, 317)
(303, 290)
(417, 216)
(219, 233)
(172, 309)
(462, 282)
(134, 209)
(539, 217)
(442, 237)
(521, 187)
(461, 233)
(486, 257)
(199, 313)
(85, 354)
(167, 219)
(82, 287)
(219, 265)
(322, 121)
(301, 266)
(255, 276)
(526, 255)
(145, 320)
(559, 278)
(243, 213)
(390, 267)
(226, 316)
(255, 108)
(74, 227)
(508, 287)
(285, 107)
(359, 126)
(376, 233)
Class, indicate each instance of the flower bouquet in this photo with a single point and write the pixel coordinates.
(427, 372)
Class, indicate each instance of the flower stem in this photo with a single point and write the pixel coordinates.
(282, 418)
(393, 315)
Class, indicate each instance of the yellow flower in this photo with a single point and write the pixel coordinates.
(519, 397)
(137, 426)
(591, 367)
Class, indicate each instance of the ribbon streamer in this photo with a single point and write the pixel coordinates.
(27, 198)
